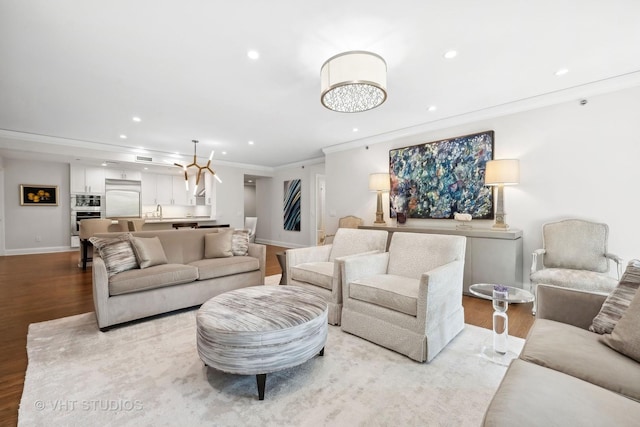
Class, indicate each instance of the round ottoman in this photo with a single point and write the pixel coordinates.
(261, 329)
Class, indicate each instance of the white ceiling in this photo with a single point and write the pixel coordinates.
(73, 73)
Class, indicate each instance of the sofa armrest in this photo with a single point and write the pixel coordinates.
(259, 251)
(570, 306)
(100, 280)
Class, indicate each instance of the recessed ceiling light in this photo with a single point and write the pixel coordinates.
(432, 108)
(224, 153)
(250, 143)
(450, 54)
(249, 181)
(137, 119)
(253, 54)
(123, 136)
(561, 72)
(146, 168)
(355, 129)
(104, 163)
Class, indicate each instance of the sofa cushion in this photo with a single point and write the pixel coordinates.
(240, 243)
(316, 273)
(116, 253)
(579, 353)
(532, 396)
(148, 251)
(617, 302)
(387, 290)
(157, 276)
(219, 267)
(218, 245)
(625, 337)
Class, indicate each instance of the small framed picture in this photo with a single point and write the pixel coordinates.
(38, 195)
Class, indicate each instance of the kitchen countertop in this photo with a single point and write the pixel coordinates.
(155, 220)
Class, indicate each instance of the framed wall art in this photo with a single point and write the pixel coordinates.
(38, 195)
(437, 179)
(292, 207)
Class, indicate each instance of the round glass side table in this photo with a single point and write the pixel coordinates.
(501, 296)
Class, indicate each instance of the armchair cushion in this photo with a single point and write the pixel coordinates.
(394, 292)
(317, 273)
(575, 279)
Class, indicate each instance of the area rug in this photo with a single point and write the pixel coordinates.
(149, 374)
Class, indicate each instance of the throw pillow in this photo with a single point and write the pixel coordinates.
(148, 251)
(240, 242)
(618, 300)
(116, 253)
(625, 337)
(218, 245)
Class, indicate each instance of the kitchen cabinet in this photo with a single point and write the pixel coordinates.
(123, 174)
(86, 179)
(149, 182)
(169, 190)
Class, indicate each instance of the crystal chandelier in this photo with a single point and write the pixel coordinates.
(354, 81)
(195, 164)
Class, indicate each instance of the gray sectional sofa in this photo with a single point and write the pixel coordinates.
(190, 273)
(566, 375)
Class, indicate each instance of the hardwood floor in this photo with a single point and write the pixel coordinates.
(36, 288)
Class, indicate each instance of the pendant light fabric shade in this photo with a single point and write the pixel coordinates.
(353, 81)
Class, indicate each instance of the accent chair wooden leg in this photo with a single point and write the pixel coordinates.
(322, 352)
(261, 379)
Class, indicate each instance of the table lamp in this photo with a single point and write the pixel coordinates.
(379, 182)
(500, 173)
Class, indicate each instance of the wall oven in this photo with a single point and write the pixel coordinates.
(87, 202)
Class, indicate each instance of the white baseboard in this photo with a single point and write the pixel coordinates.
(31, 251)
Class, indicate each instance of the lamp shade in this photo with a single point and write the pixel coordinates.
(379, 182)
(502, 172)
(354, 81)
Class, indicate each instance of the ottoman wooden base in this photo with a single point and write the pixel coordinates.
(261, 329)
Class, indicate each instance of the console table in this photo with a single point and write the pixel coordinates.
(491, 256)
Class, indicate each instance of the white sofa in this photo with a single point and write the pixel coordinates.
(188, 278)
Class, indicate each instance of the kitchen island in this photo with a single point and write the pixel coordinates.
(155, 223)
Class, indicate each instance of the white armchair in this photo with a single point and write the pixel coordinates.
(574, 255)
(250, 223)
(315, 267)
(408, 299)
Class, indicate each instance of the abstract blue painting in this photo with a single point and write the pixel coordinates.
(292, 213)
(437, 179)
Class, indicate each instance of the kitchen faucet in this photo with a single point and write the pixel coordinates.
(159, 209)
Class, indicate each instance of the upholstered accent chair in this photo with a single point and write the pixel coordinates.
(408, 299)
(574, 255)
(349, 221)
(316, 267)
(250, 223)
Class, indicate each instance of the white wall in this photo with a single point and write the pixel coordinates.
(575, 161)
(25, 225)
(250, 200)
(270, 199)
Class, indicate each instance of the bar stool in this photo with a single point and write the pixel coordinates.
(89, 227)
